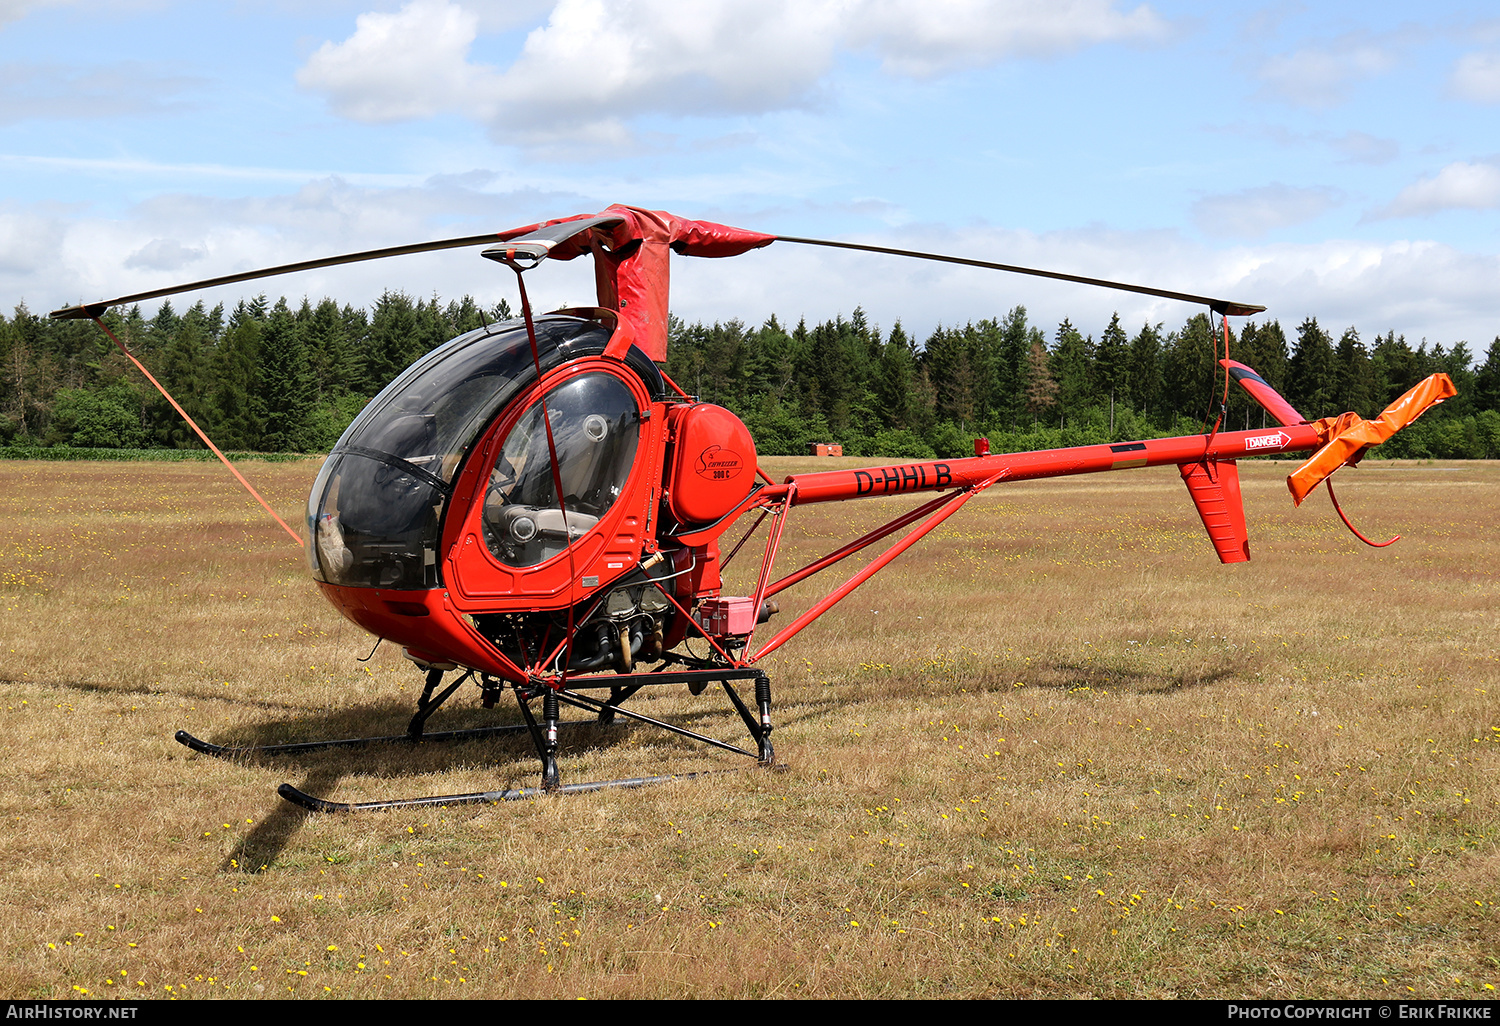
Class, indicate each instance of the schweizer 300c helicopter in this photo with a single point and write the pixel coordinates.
(536, 507)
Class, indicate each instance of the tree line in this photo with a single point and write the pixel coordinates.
(273, 378)
(263, 377)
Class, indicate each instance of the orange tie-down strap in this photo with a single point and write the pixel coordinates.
(1347, 436)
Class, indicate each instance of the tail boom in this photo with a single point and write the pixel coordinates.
(968, 472)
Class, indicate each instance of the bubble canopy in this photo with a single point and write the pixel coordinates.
(374, 517)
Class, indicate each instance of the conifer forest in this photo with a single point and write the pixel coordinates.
(271, 377)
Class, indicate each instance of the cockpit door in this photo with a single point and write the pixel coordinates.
(517, 531)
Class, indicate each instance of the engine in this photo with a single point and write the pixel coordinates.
(626, 625)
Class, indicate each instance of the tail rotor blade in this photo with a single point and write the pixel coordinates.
(1260, 390)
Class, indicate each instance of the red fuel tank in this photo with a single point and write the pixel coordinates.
(712, 465)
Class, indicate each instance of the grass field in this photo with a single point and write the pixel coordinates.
(1055, 750)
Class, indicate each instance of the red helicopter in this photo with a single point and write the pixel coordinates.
(535, 506)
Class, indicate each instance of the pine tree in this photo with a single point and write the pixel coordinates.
(1190, 384)
(395, 339)
(1311, 372)
(325, 334)
(947, 359)
(894, 378)
(1111, 363)
(159, 332)
(1353, 380)
(184, 369)
(236, 424)
(464, 315)
(283, 394)
(1487, 381)
(1458, 364)
(1041, 388)
(772, 365)
(1011, 366)
(1394, 368)
(1070, 367)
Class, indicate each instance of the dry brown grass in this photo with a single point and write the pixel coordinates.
(1056, 750)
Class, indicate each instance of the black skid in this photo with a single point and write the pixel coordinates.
(543, 733)
(246, 751)
(314, 804)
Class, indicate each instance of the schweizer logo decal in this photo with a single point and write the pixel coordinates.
(719, 464)
(1280, 438)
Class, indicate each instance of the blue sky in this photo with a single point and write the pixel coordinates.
(1339, 160)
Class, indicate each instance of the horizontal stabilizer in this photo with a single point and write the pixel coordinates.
(1215, 488)
(1269, 399)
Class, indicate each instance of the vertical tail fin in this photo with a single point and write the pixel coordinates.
(1215, 488)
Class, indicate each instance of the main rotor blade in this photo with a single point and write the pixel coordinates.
(92, 310)
(1224, 307)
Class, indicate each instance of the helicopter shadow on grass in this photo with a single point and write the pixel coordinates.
(154, 691)
(1065, 675)
(512, 757)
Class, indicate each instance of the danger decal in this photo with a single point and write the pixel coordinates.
(1275, 441)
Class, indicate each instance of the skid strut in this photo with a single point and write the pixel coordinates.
(543, 732)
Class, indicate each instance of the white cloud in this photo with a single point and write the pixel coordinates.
(141, 169)
(1314, 77)
(165, 255)
(51, 258)
(1417, 288)
(410, 64)
(925, 38)
(1251, 213)
(1414, 287)
(15, 10)
(1363, 148)
(1459, 186)
(121, 88)
(1355, 147)
(594, 65)
(1476, 77)
(505, 15)
(30, 238)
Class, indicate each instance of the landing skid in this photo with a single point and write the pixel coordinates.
(313, 804)
(543, 733)
(182, 737)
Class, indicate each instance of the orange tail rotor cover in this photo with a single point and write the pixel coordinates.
(1346, 437)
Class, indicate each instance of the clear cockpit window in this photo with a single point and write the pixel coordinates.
(595, 430)
(375, 525)
(374, 515)
(430, 414)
